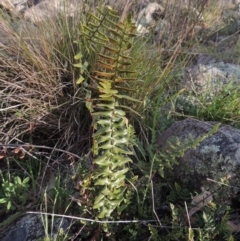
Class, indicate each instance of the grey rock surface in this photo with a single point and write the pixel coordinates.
(61, 223)
(31, 227)
(17, 234)
(148, 17)
(236, 1)
(18, 5)
(211, 75)
(27, 228)
(220, 150)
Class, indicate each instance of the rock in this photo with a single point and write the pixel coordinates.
(17, 234)
(166, 20)
(47, 9)
(40, 12)
(218, 156)
(236, 1)
(231, 14)
(32, 227)
(29, 227)
(210, 74)
(148, 17)
(61, 223)
(15, 5)
(18, 5)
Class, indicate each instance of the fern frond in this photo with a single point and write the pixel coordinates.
(113, 136)
(168, 155)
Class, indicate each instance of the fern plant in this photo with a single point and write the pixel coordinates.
(175, 148)
(112, 134)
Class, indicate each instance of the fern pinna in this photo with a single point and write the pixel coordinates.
(112, 134)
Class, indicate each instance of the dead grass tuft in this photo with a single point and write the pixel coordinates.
(40, 101)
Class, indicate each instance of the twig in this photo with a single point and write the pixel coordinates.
(189, 223)
(11, 107)
(43, 147)
(144, 222)
(92, 220)
(221, 183)
(153, 203)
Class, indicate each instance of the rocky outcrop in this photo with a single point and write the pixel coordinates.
(210, 75)
(218, 156)
(40, 10)
(148, 17)
(18, 5)
(30, 227)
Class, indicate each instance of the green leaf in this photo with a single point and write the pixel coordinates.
(17, 180)
(106, 191)
(103, 181)
(114, 32)
(115, 51)
(214, 129)
(102, 160)
(103, 113)
(118, 150)
(106, 96)
(79, 65)
(105, 213)
(9, 205)
(26, 180)
(116, 202)
(116, 142)
(119, 112)
(99, 198)
(108, 58)
(104, 138)
(112, 41)
(100, 38)
(104, 83)
(120, 174)
(3, 200)
(106, 65)
(99, 204)
(119, 134)
(104, 74)
(125, 57)
(124, 63)
(102, 131)
(95, 147)
(89, 106)
(106, 146)
(78, 56)
(118, 182)
(80, 80)
(107, 92)
(104, 122)
(120, 161)
(231, 238)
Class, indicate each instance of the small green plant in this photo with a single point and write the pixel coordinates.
(14, 192)
(175, 148)
(220, 103)
(178, 194)
(61, 236)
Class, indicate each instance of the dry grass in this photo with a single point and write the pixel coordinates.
(40, 101)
